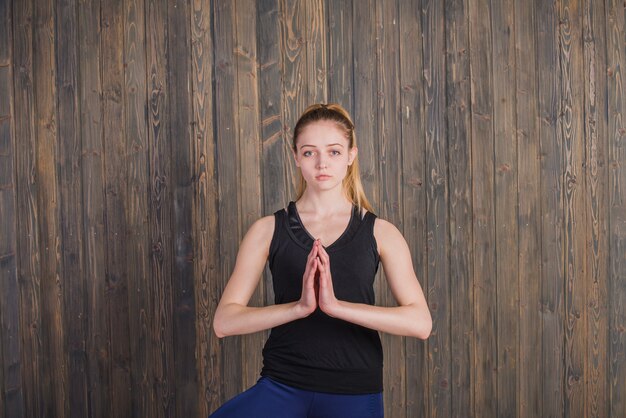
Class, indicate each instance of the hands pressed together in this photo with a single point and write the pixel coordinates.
(317, 282)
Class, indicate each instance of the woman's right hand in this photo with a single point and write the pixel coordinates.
(308, 300)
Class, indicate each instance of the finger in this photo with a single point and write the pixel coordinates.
(320, 268)
(312, 252)
(314, 267)
(324, 257)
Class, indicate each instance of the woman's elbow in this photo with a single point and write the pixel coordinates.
(218, 326)
(217, 329)
(423, 326)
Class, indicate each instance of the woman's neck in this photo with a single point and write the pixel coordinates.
(323, 204)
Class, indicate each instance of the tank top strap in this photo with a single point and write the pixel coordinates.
(280, 218)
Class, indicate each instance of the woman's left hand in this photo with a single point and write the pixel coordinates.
(327, 300)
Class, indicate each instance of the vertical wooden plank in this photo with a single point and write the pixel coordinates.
(54, 373)
(316, 51)
(160, 208)
(183, 183)
(28, 246)
(458, 113)
(2, 395)
(249, 157)
(71, 204)
(294, 76)
(276, 145)
(388, 45)
(413, 191)
(137, 246)
(12, 396)
(228, 177)
(506, 193)
(485, 308)
(340, 55)
(616, 131)
(529, 222)
(437, 222)
(206, 271)
(91, 131)
(365, 113)
(595, 126)
(552, 279)
(117, 281)
(571, 93)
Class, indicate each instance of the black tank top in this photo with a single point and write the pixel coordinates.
(318, 352)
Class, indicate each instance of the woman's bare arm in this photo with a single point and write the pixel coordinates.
(411, 317)
(233, 315)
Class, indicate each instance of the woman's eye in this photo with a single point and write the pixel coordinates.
(335, 152)
(307, 153)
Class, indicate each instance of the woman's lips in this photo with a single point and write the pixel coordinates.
(322, 177)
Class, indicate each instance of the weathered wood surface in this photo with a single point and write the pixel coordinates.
(140, 139)
(529, 211)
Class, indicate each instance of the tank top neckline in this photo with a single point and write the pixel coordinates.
(299, 233)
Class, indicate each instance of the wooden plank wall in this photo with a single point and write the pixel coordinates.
(139, 139)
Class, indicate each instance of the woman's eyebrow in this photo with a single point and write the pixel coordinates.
(313, 146)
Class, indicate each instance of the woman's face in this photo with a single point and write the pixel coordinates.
(323, 154)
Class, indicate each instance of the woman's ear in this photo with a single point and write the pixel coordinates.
(352, 155)
(295, 157)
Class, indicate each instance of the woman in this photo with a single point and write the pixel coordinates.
(323, 357)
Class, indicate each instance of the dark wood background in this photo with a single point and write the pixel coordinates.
(139, 139)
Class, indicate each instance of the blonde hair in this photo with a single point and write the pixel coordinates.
(352, 186)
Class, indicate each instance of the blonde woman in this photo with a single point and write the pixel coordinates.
(323, 357)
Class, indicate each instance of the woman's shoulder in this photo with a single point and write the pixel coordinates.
(261, 230)
(264, 224)
(384, 227)
(387, 235)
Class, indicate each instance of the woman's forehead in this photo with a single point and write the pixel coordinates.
(322, 133)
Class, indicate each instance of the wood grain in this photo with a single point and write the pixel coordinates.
(458, 125)
(227, 164)
(137, 268)
(205, 212)
(506, 192)
(159, 221)
(552, 279)
(294, 72)
(183, 185)
(389, 155)
(54, 370)
(365, 113)
(413, 190)
(437, 209)
(97, 330)
(11, 389)
(340, 47)
(316, 39)
(595, 171)
(483, 201)
(117, 282)
(249, 144)
(529, 211)
(275, 149)
(571, 124)
(616, 99)
(29, 248)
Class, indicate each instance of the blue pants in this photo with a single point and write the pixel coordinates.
(271, 399)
